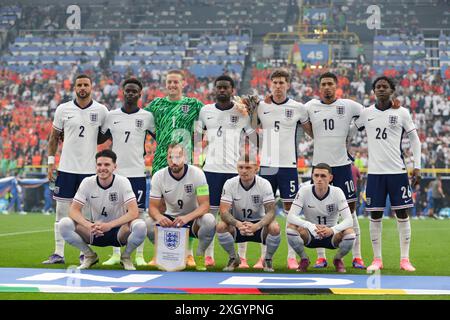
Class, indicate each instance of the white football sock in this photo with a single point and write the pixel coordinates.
(376, 228)
(404, 232)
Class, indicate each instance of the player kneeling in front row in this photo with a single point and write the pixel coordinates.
(321, 204)
(185, 191)
(247, 209)
(114, 214)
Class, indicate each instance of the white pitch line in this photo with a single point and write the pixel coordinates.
(25, 232)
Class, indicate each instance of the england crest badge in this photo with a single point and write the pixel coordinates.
(172, 239)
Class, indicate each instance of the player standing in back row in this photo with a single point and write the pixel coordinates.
(279, 121)
(174, 122)
(174, 118)
(128, 128)
(226, 129)
(385, 123)
(80, 121)
(331, 119)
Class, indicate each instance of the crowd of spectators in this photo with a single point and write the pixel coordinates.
(28, 102)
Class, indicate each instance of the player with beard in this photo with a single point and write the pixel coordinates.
(80, 121)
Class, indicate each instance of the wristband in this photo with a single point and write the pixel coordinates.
(51, 160)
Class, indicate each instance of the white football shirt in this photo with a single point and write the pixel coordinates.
(106, 204)
(247, 204)
(181, 194)
(330, 125)
(128, 131)
(224, 131)
(279, 124)
(80, 128)
(385, 131)
(325, 211)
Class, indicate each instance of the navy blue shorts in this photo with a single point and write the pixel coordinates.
(216, 181)
(285, 179)
(394, 185)
(190, 224)
(343, 178)
(320, 243)
(139, 186)
(66, 185)
(256, 237)
(108, 239)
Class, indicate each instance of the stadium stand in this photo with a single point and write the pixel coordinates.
(207, 38)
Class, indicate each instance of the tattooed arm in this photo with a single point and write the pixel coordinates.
(52, 147)
(266, 220)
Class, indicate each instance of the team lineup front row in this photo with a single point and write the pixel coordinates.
(228, 183)
(247, 211)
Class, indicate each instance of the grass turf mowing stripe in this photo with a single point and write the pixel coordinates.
(25, 232)
(368, 291)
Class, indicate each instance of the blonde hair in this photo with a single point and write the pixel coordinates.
(176, 71)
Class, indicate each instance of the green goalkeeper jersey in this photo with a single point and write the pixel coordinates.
(174, 122)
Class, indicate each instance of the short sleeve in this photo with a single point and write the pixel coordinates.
(58, 122)
(360, 122)
(105, 113)
(128, 194)
(303, 113)
(341, 201)
(82, 193)
(357, 108)
(248, 126)
(267, 193)
(200, 125)
(227, 193)
(151, 123)
(407, 121)
(198, 105)
(156, 189)
(105, 126)
(201, 184)
(297, 205)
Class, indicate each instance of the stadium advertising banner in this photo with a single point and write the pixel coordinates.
(316, 16)
(314, 53)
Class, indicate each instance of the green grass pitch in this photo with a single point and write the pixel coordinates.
(25, 241)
